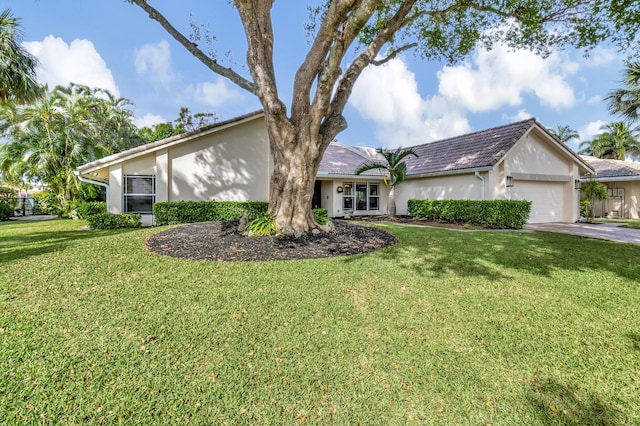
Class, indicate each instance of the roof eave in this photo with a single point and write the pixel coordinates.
(451, 172)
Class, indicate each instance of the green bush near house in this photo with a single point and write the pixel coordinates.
(262, 226)
(178, 212)
(585, 208)
(489, 213)
(321, 216)
(7, 202)
(114, 221)
(91, 208)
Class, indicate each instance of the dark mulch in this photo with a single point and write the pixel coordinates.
(222, 241)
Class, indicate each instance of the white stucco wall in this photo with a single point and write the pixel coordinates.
(629, 204)
(544, 174)
(448, 187)
(229, 165)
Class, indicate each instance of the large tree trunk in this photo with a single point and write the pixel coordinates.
(296, 156)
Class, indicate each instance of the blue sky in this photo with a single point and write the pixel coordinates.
(114, 45)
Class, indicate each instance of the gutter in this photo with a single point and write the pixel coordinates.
(614, 179)
(477, 174)
(451, 172)
(93, 182)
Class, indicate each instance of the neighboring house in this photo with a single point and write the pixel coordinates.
(231, 160)
(622, 179)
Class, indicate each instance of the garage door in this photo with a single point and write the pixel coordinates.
(546, 199)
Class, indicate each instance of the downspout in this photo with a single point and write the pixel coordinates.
(94, 182)
(481, 184)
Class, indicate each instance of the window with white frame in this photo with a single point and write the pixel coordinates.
(361, 196)
(139, 193)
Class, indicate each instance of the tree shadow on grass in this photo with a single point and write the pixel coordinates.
(24, 245)
(492, 254)
(555, 403)
(635, 340)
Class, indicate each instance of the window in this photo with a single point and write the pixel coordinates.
(139, 193)
(360, 196)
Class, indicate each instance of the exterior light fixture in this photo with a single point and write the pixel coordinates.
(577, 184)
(94, 174)
(509, 180)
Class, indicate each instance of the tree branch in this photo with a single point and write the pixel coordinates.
(306, 74)
(393, 54)
(345, 86)
(194, 50)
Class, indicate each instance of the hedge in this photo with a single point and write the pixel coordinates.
(114, 221)
(177, 212)
(488, 213)
(91, 208)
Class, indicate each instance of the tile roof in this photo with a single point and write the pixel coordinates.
(607, 168)
(342, 160)
(474, 150)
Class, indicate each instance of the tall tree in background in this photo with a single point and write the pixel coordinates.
(564, 133)
(349, 35)
(50, 138)
(616, 140)
(626, 101)
(186, 122)
(393, 164)
(17, 67)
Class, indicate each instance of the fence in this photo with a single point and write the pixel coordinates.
(26, 206)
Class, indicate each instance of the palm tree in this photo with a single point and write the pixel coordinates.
(564, 133)
(626, 101)
(50, 138)
(394, 165)
(614, 142)
(17, 66)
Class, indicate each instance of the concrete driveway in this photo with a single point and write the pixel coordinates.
(606, 231)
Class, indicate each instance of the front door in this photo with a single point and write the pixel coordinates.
(316, 200)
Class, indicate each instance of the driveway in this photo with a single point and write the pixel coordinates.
(606, 231)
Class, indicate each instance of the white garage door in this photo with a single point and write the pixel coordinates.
(546, 199)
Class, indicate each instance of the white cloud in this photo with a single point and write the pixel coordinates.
(154, 61)
(388, 94)
(149, 120)
(601, 56)
(594, 100)
(518, 116)
(78, 62)
(590, 130)
(500, 77)
(213, 94)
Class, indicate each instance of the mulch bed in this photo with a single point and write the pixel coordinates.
(222, 241)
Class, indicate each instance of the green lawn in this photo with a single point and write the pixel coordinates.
(446, 327)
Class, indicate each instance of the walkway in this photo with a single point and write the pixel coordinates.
(606, 231)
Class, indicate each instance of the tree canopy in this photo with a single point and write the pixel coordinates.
(625, 101)
(17, 66)
(349, 35)
(615, 141)
(69, 126)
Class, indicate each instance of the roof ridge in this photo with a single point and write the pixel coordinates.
(533, 120)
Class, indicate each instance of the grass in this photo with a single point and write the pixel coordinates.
(626, 223)
(444, 328)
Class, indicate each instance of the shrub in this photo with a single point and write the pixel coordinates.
(488, 213)
(114, 221)
(262, 226)
(8, 202)
(91, 208)
(177, 212)
(48, 203)
(585, 208)
(321, 216)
